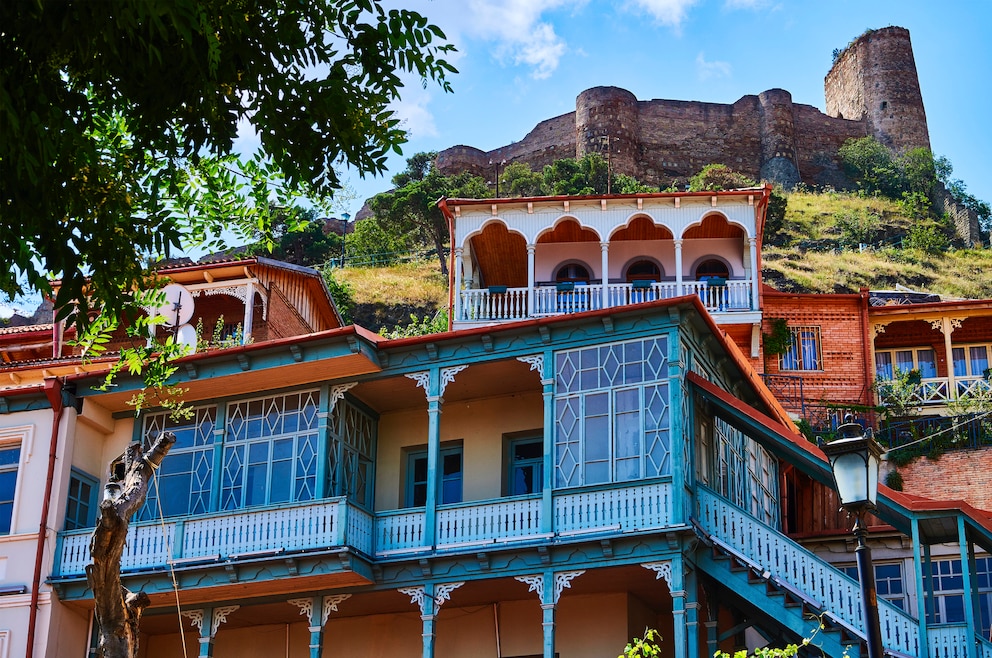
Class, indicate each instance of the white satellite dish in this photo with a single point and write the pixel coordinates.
(186, 336)
(178, 306)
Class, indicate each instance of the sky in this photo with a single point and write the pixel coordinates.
(523, 61)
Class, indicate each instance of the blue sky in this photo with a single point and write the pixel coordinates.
(522, 61)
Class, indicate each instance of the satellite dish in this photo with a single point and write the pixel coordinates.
(186, 336)
(178, 306)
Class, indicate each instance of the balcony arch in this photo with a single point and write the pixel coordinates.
(500, 255)
(487, 225)
(641, 227)
(715, 225)
(567, 229)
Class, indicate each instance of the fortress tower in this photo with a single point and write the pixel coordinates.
(607, 122)
(874, 79)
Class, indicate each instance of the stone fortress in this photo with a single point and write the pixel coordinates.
(871, 90)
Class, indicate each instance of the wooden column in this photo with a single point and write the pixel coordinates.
(317, 610)
(549, 586)
(531, 283)
(208, 620)
(457, 311)
(605, 264)
(678, 267)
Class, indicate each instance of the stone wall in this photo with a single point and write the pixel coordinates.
(766, 136)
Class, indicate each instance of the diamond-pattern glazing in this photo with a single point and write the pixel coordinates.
(183, 482)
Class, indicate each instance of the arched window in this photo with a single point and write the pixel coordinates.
(643, 270)
(712, 269)
(572, 272)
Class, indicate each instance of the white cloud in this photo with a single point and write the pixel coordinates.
(666, 12)
(709, 70)
(516, 30)
(412, 111)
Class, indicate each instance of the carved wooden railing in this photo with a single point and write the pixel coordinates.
(837, 594)
(229, 535)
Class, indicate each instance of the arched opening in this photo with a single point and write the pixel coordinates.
(712, 268)
(643, 270)
(573, 271)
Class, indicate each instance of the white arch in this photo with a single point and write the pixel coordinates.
(482, 228)
(637, 215)
(713, 211)
(562, 218)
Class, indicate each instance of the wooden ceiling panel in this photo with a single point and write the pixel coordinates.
(568, 230)
(714, 226)
(501, 256)
(642, 228)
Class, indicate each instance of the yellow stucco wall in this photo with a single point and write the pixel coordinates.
(479, 424)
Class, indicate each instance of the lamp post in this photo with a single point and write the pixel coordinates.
(497, 165)
(854, 460)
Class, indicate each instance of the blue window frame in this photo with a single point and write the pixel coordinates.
(948, 590)
(183, 482)
(449, 477)
(612, 420)
(525, 474)
(270, 453)
(888, 582)
(10, 459)
(80, 508)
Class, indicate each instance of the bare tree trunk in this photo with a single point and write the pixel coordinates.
(118, 610)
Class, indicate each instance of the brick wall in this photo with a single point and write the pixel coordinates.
(283, 319)
(957, 475)
(842, 377)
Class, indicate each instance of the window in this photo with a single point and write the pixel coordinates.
(525, 474)
(80, 509)
(10, 459)
(351, 433)
(643, 270)
(948, 589)
(712, 268)
(611, 413)
(888, 582)
(803, 352)
(572, 272)
(970, 361)
(889, 362)
(449, 480)
(183, 482)
(270, 455)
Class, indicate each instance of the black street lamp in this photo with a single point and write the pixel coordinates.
(854, 460)
(497, 165)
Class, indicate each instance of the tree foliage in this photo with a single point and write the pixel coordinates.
(590, 174)
(299, 237)
(119, 125)
(410, 210)
(716, 177)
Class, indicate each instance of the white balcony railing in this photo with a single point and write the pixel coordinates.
(938, 390)
(232, 534)
(498, 304)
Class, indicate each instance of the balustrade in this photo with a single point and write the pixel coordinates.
(501, 304)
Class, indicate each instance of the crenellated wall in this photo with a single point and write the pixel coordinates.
(872, 89)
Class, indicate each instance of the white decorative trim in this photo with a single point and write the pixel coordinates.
(937, 325)
(443, 592)
(564, 579)
(220, 616)
(4, 643)
(331, 605)
(337, 392)
(416, 594)
(876, 329)
(662, 570)
(955, 322)
(238, 292)
(448, 375)
(195, 617)
(536, 362)
(423, 379)
(534, 584)
(305, 606)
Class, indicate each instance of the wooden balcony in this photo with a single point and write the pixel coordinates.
(335, 523)
(502, 304)
(941, 390)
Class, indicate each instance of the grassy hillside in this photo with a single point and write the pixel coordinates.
(816, 250)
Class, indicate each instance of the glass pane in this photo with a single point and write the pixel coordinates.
(883, 366)
(420, 469)
(927, 363)
(904, 360)
(255, 485)
(451, 491)
(960, 365)
(528, 450)
(979, 360)
(282, 478)
(419, 495)
(10, 456)
(451, 464)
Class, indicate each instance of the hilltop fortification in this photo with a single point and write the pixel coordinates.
(872, 89)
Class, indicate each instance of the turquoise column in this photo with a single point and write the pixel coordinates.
(206, 638)
(316, 627)
(548, 604)
(691, 615)
(547, 486)
(677, 586)
(220, 433)
(678, 430)
(427, 615)
(969, 581)
(434, 403)
(323, 412)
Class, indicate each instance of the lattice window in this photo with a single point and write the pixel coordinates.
(183, 482)
(270, 455)
(352, 442)
(80, 507)
(948, 586)
(804, 352)
(612, 413)
(746, 474)
(10, 460)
